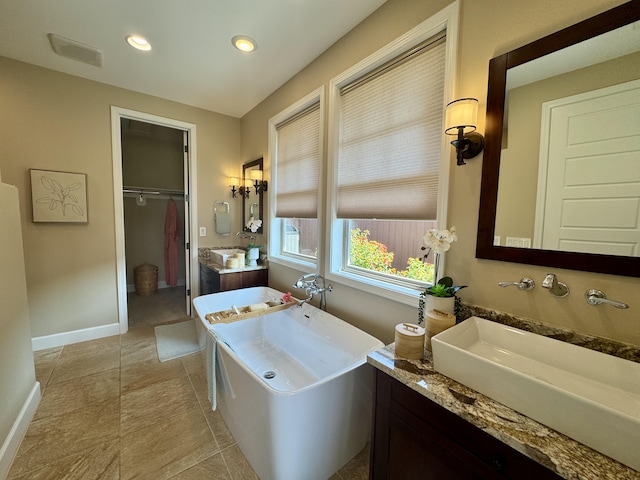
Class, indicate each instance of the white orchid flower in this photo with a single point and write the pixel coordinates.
(440, 240)
(254, 225)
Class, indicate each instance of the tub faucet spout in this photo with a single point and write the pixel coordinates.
(309, 283)
(308, 299)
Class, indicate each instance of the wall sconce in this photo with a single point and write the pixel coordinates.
(236, 187)
(460, 119)
(259, 184)
(233, 183)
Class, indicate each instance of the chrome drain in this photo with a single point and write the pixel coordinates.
(269, 375)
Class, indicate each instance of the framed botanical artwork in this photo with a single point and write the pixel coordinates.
(59, 197)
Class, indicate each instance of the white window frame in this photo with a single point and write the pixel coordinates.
(337, 254)
(276, 230)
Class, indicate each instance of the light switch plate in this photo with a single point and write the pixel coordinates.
(203, 231)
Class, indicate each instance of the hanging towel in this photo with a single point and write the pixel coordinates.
(217, 376)
(172, 229)
(223, 223)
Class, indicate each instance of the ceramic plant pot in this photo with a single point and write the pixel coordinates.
(252, 256)
(444, 304)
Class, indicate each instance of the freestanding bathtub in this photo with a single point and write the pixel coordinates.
(293, 386)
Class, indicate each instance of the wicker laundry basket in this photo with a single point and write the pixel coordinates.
(146, 279)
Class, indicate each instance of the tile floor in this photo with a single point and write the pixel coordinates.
(111, 410)
(166, 304)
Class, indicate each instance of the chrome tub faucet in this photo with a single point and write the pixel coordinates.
(309, 283)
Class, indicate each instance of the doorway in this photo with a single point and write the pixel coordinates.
(153, 165)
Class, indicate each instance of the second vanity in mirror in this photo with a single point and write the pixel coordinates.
(561, 168)
(252, 204)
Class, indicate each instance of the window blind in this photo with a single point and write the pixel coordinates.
(298, 165)
(390, 137)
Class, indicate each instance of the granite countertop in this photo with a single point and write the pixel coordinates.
(565, 456)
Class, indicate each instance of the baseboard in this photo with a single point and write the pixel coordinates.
(18, 431)
(74, 336)
(161, 284)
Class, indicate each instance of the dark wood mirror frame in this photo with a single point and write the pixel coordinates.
(628, 266)
(247, 166)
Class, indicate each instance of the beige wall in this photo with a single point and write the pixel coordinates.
(488, 28)
(60, 122)
(17, 371)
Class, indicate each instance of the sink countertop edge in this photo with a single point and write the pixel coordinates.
(216, 267)
(567, 457)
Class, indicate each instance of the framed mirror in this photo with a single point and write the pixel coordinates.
(561, 169)
(252, 203)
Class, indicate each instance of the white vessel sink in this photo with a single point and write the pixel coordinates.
(589, 396)
(221, 256)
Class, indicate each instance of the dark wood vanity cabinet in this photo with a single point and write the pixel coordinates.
(213, 282)
(413, 438)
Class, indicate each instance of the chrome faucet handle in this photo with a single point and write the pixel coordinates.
(525, 283)
(556, 288)
(596, 297)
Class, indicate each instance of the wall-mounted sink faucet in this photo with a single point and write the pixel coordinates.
(309, 283)
(556, 288)
(596, 297)
(246, 235)
(525, 283)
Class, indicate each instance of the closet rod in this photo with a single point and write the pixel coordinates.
(151, 191)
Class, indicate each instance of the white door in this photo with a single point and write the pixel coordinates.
(589, 176)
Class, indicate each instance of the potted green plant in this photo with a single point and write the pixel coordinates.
(440, 296)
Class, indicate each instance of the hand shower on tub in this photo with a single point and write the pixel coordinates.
(309, 283)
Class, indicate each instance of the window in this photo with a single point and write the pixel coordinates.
(295, 145)
(388, 171)
(389, 247)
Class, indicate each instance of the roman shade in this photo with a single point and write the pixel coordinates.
(390, 138)
(298, 165)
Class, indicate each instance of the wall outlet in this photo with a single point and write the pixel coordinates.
(203, 231)
(518, 242)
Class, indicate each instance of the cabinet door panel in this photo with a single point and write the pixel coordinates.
(413, 455)
(255, 278)
(230, 281)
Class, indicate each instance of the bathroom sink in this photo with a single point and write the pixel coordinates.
(589, 396)
(221, 256)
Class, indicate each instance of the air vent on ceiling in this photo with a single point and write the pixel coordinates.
(81, 52)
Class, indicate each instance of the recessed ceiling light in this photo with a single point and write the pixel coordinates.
(244, 43)
(136, 41)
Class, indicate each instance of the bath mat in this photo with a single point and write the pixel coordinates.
(176, 340)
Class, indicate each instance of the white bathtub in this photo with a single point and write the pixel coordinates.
(314, 415)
